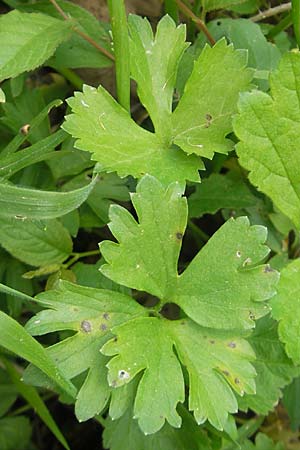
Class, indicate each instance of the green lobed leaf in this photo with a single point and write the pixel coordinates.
(220, 191)
(286, 309)
(104, 128)
(274, 369)
(222, 287)
(149, 249)
(267, 127)
(222, 365)
(27, 40)
(245, 34)
(199, 124)
(203, 117)
(154, 63)
(90, 313)
(36, 243)
(25, 203)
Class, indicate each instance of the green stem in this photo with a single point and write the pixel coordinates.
(172, 9)
(121, 50)
(27, 407)
(71, 76)
(198, 232)
(282, 25)
(77, 256)
(296, 19)
(199, 23)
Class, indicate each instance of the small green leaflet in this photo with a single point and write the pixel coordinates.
(27, 40)
(267, 127)
(90, 313)
(219, 292)
(150, 249)
(274, 369)
(286, 309)
(147, 54)
(199, 124)
(203, 117)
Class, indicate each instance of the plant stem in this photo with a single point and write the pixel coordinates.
(85, 254)
(198, 232)
(272, 11)
(199, 23)
(282, 25)
(121, 50)
(27, 407)
(296, 19)
(77, 256)
(71, 76)
(82, 34)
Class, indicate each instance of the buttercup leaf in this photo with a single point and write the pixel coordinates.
(267, 127)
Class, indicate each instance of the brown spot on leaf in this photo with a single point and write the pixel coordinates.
(105, 316)
(86, 326)
(208, 118)
(232, 344)
(226, 373)
(103, 327)
(179, 236)
(211, 341)
(251, 315)
(237, 381)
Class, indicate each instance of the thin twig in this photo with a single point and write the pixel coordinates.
(82, 34)
(199, 23)
(271, 12)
